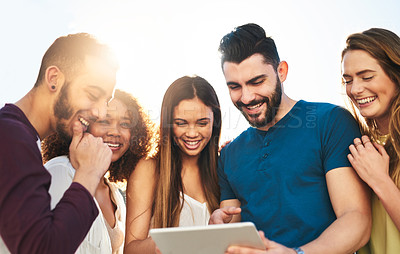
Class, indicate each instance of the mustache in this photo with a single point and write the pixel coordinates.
(253, 102)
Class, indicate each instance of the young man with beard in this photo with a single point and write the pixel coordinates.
(76, 79)
(289, 172)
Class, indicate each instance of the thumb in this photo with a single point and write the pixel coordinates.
(232, 210)
(267, 243)
(77, 133)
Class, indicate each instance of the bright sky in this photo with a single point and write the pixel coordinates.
(160, 41)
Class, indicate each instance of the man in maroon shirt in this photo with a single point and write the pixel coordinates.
(75, 82)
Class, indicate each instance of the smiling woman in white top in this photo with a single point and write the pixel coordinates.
(179, 187)
(127, 131)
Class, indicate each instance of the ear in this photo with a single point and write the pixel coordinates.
(282, 71)
(54, 78)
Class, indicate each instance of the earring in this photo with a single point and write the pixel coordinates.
(53, 87)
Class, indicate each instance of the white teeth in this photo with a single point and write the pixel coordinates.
(366, 100)
(113, 145)
(255, 106)
(83, 121)
(192, 143)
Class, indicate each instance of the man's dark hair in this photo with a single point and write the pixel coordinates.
(245, 41)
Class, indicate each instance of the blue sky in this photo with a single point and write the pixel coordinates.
(160, 41)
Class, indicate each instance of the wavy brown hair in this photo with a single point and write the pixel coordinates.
(144, 139)
(384, 46)
(167, 206)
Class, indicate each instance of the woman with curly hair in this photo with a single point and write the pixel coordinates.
(128, 132)
(371, 74)
(180, 187)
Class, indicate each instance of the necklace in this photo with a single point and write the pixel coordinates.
(381, 139)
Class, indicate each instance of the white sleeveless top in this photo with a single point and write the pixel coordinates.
(193, 212)
(98, 240)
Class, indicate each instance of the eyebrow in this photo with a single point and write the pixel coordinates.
(358, 73)
(204, 119)
(231, 83)
(99, 89)
(363, 72)
(201, 119)
(251, 81)
(123, 118)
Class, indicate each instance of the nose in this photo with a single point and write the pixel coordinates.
(114, 130)
(357, 87)
(247, 95)
(192, 132)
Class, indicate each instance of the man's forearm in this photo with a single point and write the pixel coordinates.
(347, 234)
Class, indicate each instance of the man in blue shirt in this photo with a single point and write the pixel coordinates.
(289, 172)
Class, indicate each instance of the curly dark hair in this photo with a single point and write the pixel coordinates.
(144, 140)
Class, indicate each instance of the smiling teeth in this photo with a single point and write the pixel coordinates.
(83, 121)
(366, 100)
(255, 106)
(192, 143)
(113, 145)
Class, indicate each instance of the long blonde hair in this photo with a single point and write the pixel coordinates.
(167, 205)
(384, 46)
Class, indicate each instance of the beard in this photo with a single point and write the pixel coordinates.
(270, 113)
(63, 111)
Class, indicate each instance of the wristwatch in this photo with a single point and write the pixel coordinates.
(298, 250)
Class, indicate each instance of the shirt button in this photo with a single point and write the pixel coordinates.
(265, 156)
(267, 143)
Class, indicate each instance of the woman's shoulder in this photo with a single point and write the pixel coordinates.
(146, 163)
(145, 169)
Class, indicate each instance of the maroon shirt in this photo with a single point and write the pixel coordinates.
(27, 224)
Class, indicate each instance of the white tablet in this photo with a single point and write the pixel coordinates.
(210, 239)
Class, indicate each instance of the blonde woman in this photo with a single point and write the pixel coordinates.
(371, 73)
